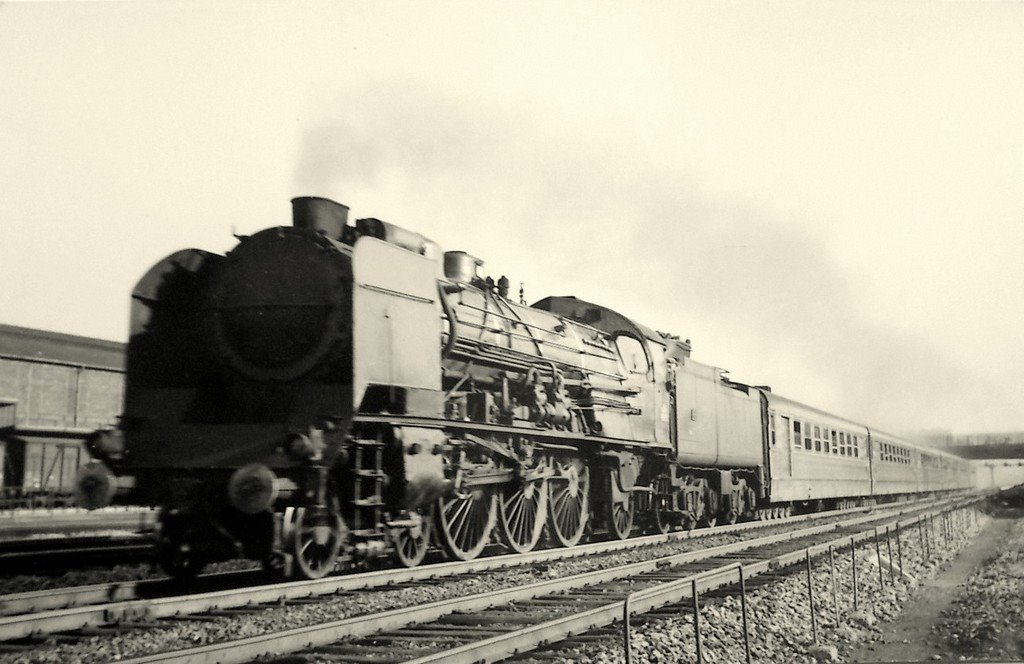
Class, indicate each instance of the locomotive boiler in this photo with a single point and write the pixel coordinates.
(330, 393)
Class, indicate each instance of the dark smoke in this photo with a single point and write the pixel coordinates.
(576, 214)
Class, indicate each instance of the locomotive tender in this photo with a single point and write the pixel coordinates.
(330, 392)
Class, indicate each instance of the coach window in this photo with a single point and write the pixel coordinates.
(807, 436)
(842, 443)
(797, 442)
(835, 442)
(856, 446)
(817, 439)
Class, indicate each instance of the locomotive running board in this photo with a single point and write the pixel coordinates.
(540, 433)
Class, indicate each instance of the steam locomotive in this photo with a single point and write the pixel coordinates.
(329, 393)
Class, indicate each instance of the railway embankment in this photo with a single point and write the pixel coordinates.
(986, 618)
(169, 629)
(847, 625)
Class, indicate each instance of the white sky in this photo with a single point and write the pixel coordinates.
(824, 197)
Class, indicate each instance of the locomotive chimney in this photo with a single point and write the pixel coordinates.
(319, 214)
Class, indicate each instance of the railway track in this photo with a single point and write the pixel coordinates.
(133, 613)
(25, 614)
(61, 553)
(488, 628)
(29, 523)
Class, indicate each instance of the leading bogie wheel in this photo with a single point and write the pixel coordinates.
(313, 537)
(465, 522)
(411, 541)
(175, 549)
(569, 500)
(178, 559)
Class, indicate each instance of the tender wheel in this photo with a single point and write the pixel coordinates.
(661, 522)
(711, 507)
(731, 517)
(569, 501)
(411, 542)
(523, 509)
(313, 537)
(465, 522)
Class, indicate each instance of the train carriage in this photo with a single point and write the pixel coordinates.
(816, 456)
(893, 469)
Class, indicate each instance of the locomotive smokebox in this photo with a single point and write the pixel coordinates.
(319, 214)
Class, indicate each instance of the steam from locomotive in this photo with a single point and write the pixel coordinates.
(329, 393)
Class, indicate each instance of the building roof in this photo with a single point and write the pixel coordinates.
(43, 345)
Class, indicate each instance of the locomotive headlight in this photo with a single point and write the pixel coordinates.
(252, 488)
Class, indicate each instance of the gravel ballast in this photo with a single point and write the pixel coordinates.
(987, 616)
(190, 632)
(779, 614)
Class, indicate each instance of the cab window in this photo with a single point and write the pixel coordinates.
(632, 353)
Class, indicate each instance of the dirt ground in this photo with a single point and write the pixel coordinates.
(911, 638)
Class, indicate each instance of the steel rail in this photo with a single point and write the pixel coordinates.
(46, 611)
(74, 608)
(26, 523)
(39, 555)
(244, 650)
(674, 592)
